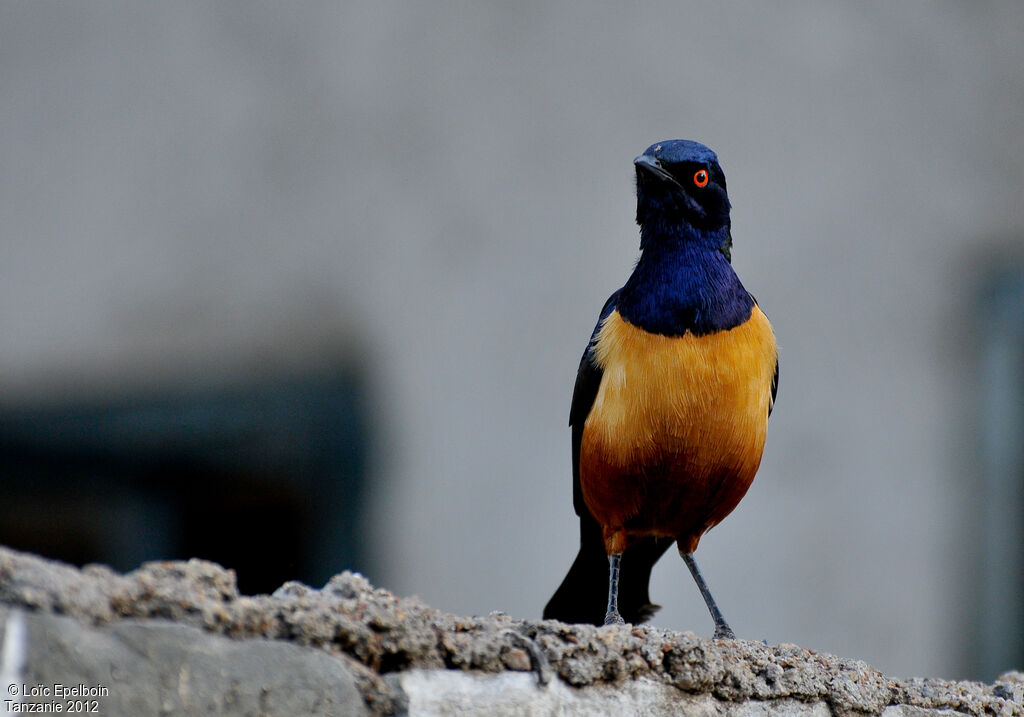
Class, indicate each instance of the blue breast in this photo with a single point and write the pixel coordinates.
(681, 287)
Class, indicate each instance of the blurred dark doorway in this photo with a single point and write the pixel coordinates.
(267, 479)
(1000, 521)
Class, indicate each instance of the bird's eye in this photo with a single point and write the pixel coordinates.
(701, 178)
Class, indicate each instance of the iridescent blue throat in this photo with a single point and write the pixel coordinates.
(684, 283)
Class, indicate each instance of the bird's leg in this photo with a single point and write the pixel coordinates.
(722, 628)
(612, 616)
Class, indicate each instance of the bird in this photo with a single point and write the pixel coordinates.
(672, 397)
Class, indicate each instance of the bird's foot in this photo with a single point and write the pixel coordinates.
(723, 631)
(614, 618)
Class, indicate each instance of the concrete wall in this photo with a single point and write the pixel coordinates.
(177, 638)
(191, 192)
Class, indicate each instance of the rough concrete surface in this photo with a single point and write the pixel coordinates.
(178, 638)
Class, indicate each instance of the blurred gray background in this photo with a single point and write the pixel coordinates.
(316, 278)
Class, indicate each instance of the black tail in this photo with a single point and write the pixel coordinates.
(583, 594)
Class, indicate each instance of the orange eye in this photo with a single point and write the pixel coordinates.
(701, 178)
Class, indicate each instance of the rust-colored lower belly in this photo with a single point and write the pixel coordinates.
(673, 499)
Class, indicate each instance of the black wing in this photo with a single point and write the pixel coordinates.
(583, 593)
(588, 381)
(775, 377)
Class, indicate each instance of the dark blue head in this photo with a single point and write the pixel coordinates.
(679, 182)
(683, 281)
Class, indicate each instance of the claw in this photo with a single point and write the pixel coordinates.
(538, 661)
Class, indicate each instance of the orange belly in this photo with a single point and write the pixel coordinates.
(677, 429)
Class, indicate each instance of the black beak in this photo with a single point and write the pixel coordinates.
(651, 167)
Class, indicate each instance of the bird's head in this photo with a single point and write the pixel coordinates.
(679, 182)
